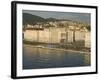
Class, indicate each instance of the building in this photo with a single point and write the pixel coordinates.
(87, 39)
(47, 35)
(64, 35)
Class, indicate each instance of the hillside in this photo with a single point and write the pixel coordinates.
(31, 19)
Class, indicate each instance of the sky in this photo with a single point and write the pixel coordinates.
(81, 17)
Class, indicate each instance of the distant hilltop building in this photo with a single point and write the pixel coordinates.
(58, 32)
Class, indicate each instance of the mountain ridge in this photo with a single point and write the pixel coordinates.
(33, 19)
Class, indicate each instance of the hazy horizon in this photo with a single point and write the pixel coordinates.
(81, 17)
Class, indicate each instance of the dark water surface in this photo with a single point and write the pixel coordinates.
(35, 58)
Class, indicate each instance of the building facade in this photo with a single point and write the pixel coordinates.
(57, 35)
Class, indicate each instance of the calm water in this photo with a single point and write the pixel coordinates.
(46, 58)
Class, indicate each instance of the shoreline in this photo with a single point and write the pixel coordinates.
(83, 52)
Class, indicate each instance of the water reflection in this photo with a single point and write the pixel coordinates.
(34, 57)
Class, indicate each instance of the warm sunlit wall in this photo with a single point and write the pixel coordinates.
(70, 36)
(44, 35)
(79, 35)
(87, 39)
(30, 35)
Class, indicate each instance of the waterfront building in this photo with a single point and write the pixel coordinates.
(69, 34)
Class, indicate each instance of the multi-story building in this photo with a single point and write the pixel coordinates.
(64, 35)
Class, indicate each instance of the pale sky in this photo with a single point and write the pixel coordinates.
(82, 17)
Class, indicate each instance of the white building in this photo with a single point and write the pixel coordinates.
(57, 35)
(87, 39)
(47, 35)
